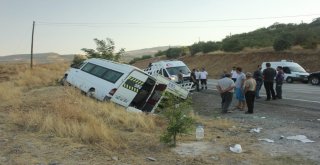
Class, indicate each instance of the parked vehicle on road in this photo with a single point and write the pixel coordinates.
(292, 71)
(123, 84)
(314, 78)
(170, 69)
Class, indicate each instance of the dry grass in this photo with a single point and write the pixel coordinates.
(40, 75)
(10, 94)
(72, 115)
(64, 112)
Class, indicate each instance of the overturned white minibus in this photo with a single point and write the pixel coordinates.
(123, 84)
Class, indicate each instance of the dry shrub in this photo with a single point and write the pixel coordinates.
(40, 75)
(10, 94)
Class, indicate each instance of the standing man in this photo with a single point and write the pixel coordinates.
(239, 89)
(197, 73)
(203, 78)
(250, 90)
(234, 74)
(226, 88)
(194, 79)
(257, 75)
(279, 82)
(269, 75)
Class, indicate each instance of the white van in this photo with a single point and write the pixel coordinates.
(169, 69)
(292, 71)
(123, 84)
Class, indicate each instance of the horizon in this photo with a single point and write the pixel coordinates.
(67, 27)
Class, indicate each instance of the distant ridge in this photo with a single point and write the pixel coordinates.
(51, 57)
(38, 58)
(130, 55)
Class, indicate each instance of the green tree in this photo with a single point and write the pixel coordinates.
(105, 49)
(196, 48)
(283, 42)
(159, 53)
(177, 113)
(173, 52)
(232, 45)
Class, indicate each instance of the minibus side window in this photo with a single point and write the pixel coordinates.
(98, 71)
(111, 75)
(87, 68)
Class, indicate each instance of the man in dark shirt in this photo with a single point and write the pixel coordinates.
(268, 76)
(257, 75)
(279, 82)
(194, 79)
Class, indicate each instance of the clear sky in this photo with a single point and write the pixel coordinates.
(66, 26)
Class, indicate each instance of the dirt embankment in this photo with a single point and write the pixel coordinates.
(215, 63)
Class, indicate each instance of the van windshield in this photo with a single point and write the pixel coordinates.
(175, 70)
(297, 69)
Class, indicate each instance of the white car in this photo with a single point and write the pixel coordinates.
(292, 71)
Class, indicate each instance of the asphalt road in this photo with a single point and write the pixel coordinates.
(296, 94)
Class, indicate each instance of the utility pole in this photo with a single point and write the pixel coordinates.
(31, 63)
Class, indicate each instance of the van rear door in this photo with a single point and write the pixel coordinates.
(154, 99)
(128, 90)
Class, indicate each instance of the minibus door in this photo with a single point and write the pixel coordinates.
(128, 90)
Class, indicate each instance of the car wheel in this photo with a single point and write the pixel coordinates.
(91, 92)
(289, 80)
(63, 81)
(314, 80)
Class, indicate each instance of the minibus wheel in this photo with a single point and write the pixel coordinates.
(63, 81)
(91, 92)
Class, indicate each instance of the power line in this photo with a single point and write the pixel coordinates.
(173, 22)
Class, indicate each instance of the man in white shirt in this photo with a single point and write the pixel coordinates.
(203, 78)
(226, 88)
(197, 73)
(234, 74)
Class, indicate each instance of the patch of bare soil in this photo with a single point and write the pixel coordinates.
(278, 120)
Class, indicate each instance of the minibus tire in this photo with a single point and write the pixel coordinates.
(63, 81)
(91, 92)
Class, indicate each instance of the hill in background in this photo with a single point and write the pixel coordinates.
(52, 57)
(216, 62)
(39, 58)
(130, 55)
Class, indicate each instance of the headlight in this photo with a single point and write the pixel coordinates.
(173, 78)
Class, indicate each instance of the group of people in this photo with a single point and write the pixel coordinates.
(199, 78)
(247, 87)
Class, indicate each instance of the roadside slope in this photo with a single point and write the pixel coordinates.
(215, 63)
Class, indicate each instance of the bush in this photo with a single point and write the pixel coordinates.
(177, 113)
(283, 42)
(173, 52)
(78, 59)
(232, 45)
(196, 48)
(159, 53)
(310, 45)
